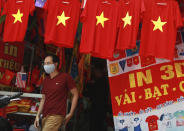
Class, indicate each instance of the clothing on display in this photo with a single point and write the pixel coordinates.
(161, 21)
(130, 18)
(103, 19)
(62, 22)
(17, 14)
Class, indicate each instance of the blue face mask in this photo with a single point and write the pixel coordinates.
(49, 68)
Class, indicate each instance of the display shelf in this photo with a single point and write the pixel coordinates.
(24, 114)
(32, 95)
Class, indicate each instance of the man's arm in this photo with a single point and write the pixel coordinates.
(75, 95)
(36, 123)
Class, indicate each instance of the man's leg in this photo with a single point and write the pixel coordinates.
(52, 123)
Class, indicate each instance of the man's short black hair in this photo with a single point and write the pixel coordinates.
(55, 58)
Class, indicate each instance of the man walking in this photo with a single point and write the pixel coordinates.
(54, 97)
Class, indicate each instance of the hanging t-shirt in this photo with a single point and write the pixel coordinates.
(104, 23)
(62, 22)
(88, 18)
(152, 122)
(160, 23)
(129, 23)
(17, 14)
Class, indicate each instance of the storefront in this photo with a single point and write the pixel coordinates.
(126, 52)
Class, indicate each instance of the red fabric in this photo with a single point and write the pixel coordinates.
(41, 19)
(128, 32)
(15, 30)
(2, 112)
(57, 33)
(160, 42)
(98, 40)
(61, 54)
(40, 81)
(88, 18)
(118, 55)
(35, 75)
(7, 77)
(28, 89)
(152, 122)
(11, 55)
(56, 91)
(146, 61)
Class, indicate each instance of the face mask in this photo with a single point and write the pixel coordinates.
(49, 68)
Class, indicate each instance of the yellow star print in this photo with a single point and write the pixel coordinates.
(127, 20)
(158, 24)
(62, 19)
(18, 17)
(101, 19)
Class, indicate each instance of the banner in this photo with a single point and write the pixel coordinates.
(11, 57)
(147, 94)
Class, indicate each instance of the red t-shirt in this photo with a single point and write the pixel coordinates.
(129, 23)
(62, 22)
(152, 122)
(56, 91)
(17, 14)
(102, 38)
(88, 18)
(160, 23)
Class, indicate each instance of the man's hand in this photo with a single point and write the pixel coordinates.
(36, 122)
(67, 118)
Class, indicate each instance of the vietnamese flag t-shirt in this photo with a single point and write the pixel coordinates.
(161, 20)
(104, 23)
(17, 14)
(131, 11)
(62, 22)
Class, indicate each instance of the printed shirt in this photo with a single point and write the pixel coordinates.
(17, 15)
(160, 23)
(62, 22)
(152, 122)
(131, 11)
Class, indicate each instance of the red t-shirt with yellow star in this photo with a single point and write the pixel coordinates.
(131, 11)
(17, 14)
(104, 23)
(62, 22)
(160, 23)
